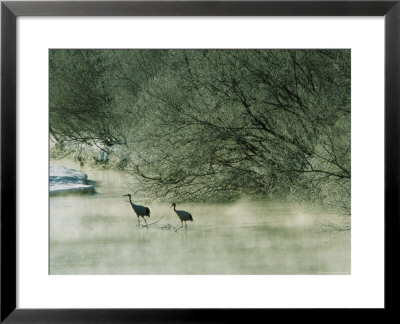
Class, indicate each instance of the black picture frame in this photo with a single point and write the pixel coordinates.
(10, 10)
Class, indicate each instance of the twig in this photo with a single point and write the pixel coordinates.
(157, 221)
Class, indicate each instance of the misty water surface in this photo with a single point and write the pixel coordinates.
(98, 234)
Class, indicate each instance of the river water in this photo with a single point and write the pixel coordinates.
(98, 234)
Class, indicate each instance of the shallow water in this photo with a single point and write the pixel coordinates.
(99, 235)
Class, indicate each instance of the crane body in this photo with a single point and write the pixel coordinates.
(140, 211)
(183, 215)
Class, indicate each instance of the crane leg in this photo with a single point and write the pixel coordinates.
(138, 219)
(179, 227)
(145, 221)
(185, 225)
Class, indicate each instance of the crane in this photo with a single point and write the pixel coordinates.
(139, 210)
(183, 216)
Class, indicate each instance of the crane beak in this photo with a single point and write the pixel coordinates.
(125, 195)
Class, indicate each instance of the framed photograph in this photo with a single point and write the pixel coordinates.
(193, 161)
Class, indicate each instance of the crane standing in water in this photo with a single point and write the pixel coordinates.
(139, 210)
(183, 216)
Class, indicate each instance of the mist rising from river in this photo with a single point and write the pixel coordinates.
(98, 234)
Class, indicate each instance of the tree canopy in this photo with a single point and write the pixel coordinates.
(209, 124)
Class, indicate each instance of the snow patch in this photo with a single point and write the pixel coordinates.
(66, 180)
